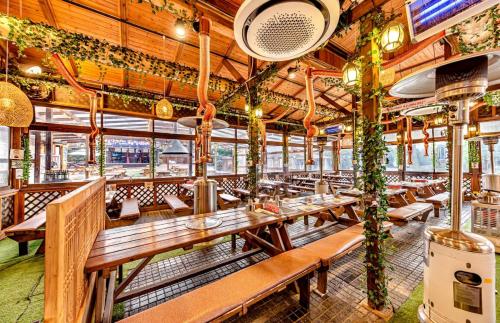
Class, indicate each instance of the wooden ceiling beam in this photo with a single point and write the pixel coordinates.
(124, 38)
(48, 13)
(226, 55)
(234, 72)
(178, 55)
(362, 9)
(335, 104)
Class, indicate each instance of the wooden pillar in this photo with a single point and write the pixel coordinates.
(38, 152)
(355, 132)
(253, 132)
(373, 176)
(401, 149)
(475, 185)
(285, 151)
(335, 157)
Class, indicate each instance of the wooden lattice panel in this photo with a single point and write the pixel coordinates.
(7, 211)
(144, 195)
(73, 222)
(227, 184)
(166, 189)
(35, 202)
(467, 186)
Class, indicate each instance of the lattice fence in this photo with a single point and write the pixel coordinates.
(7, 211)
(35, 202)
(166, 189)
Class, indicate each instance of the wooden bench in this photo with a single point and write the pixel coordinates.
(130, 209)
(177, 206)
(235, 293)
(302, 188)
(31, 229)
(242, 193)
(227, 201)
(438, 201)
(411, 211)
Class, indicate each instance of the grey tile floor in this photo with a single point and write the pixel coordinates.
(345, 278)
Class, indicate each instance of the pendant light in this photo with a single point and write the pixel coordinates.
(392, 37)
(164, 108)
(15, 107)
(350, 74)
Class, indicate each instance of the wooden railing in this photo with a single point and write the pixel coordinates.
(73, 222)
(7, 208)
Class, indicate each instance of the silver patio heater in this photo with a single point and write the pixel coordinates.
(459, 271)
(321, 186)
(205, 190)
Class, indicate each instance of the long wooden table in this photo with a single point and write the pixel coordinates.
(423, 189)
(115, 247)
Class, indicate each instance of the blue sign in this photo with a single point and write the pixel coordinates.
(333, 130)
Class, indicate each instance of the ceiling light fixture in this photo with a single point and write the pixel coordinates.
(350, 74)
(34, 70)
(292, 72)
(258, 112)
(180, 28)
(392, 37)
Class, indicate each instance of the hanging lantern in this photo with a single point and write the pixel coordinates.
(164, 109)
(15, 107)
(258, 112)
(350, 74)
(392, 37)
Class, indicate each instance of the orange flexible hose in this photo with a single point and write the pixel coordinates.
(94, 130)
(426, 137)
(311, 129)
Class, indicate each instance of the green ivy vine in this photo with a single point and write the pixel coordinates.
(492, 99)
(101, 148)
(26, 158)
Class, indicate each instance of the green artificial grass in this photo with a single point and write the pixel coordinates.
(21, 283)
(407, 313)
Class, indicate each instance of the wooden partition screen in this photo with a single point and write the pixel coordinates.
(73, 222)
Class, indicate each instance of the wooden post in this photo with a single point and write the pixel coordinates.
(38, 152)
(401, 148)
(355, 166)
(285, 151)
(372, 168)
(253, 133)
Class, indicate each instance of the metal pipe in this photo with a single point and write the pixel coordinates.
(491, 148)
(456, 171)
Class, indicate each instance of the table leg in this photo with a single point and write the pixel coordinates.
(285, 238)
(401, 200)
(275, 237)
(351, 213)
(247, 246)
(410, 196)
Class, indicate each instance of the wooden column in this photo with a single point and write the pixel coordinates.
(401, 147)
(253, 133)
(38, 152)
(285, 151)
(355, 116)
(372, 168)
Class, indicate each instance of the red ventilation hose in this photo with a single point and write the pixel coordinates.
(94, 130)
(426, 137)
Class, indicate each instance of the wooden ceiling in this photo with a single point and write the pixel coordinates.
(134, 25)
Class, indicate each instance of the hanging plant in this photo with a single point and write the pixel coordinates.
(102, 155)
(474, 154)
(26, 158)
(152, 156)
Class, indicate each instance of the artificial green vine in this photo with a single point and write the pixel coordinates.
(474, 153)
(400, 155)
(26, 158)
(152, 156)
(102, 155)
(492, 99)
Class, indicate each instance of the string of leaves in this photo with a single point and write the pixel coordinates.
(26, 158)
(101, 148)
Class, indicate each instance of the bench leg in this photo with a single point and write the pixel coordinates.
(23, 248)
(436, 211)
(322, 285)
(41, 248)
(233, 242)
(306, 219)
(304, 291)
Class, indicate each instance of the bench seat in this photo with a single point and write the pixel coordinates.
(130, 209)
(234, 293)
(31, 229)
(177, 206)
(411, 211)
(438, 201)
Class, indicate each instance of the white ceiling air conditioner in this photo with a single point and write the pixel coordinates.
(286, 29)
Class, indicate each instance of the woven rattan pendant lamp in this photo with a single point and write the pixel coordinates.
(15, 107)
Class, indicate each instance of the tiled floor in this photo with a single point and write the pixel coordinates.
(345, 278)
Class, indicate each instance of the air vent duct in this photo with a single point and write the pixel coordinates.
(283, 30)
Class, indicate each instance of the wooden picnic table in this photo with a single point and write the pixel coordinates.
(275, 186)
(398, 194)
(423, 189)
(116, 247)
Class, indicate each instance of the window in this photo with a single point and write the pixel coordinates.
(223, 133)
(328, 159)
(172, 158)
(345, 159)
(114, 121)
(486, 160)
(296, 158)
(441, 156)
(127, 157)
(274, 159)
(489, 126)
(64, 116)
(241, 134)
(222, 159)
(392, 158)
(4, 156)
(242, 158)
(391, 137)
(296, 140)
(420, 163)
(172, 127)
(277, 137)
(58, 156)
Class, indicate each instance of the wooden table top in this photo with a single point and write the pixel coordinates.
(315, 203)
(430, 182)
(190, 187)
(117, 246)
(388, 192)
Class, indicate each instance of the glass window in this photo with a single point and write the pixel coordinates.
(223, 133)
(64, 116)
(114, 121)
(242, 158)
(274, 159)
(296, 140)
(489, 126)
(172, 127)
(420, 163)
(441, 156)
(314, 167)
(241, 134)
(271, 136)
(4, 156)
(222, 159)
(127, 157)
(439, 132)
(328, 158)
(58, 156)
(486, 160)
(392, 158)
(172, 158)
(390, 137)
(296, 158)
(345, 159)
